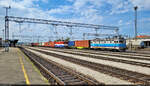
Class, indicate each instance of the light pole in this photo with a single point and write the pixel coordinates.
(6, 30)
(3, 37)
(135, 8)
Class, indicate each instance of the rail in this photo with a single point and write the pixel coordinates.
(57, 74)
(131, 76)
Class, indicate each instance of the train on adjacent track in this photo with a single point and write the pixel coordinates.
(116, 43)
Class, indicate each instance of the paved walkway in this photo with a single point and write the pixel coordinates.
(16, 68)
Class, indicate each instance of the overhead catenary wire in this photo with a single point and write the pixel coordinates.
(54, 23)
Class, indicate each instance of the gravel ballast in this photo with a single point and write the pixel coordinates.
(87, 71)
(129, 67)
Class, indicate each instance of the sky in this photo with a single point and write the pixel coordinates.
(118, 13)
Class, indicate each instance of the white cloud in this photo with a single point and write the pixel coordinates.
(26, 8)
(85, 11)
(120, 22)
(120, 6)
(142, 4)
(61, 9)
(21, 4)
(45, 1)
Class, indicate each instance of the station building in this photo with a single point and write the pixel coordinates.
(141, 41)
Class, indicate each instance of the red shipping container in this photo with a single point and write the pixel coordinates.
(82, 43)
(52, 44)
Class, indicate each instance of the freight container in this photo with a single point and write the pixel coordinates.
(71, 43)
(61, 44)
(52, 44)
(82, 44)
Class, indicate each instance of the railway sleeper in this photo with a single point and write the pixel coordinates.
(72, 80)
(78, 83)
(63, 76)
(67, 78)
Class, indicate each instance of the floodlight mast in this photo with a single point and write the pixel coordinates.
(135, 8)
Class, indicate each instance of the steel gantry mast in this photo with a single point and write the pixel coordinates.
(7, 30)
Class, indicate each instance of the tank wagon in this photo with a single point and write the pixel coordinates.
(115, 43)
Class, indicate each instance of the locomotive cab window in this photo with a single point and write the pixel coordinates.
(115, 41)
(120, 41)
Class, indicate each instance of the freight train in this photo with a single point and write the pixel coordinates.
(116, 43)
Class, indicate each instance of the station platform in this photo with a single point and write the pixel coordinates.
(16, 69)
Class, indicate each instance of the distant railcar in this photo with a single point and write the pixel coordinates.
(34, 44)
(46, 44)
(41, 44)
(136, 44)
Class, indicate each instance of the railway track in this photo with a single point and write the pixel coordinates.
(114, 53)
(106, 54)
(57, 74)
(130, 76)
(104, 58)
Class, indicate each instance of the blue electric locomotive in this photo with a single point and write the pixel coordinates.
(115, 43)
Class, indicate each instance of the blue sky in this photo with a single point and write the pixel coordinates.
(118, 13)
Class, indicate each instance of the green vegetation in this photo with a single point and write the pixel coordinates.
(67, 39)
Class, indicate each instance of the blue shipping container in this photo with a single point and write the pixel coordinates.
(71, 43)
